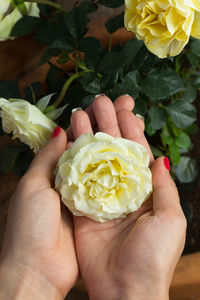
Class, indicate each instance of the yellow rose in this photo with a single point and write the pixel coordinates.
(26, 122)
(164, 25)
(9, 15)
(103, 177)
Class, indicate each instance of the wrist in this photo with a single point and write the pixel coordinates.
(133, 292)
(144, 295)
(144, 291)
(18, 282)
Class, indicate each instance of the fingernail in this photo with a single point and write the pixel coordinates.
(128, 95)
(139, 116)
(56, 132)
(100, 95)
(166, 163)
(76, 109)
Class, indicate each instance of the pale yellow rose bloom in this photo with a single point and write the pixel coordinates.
(9, 16)
(26, 122)
(103, 177)
(164, 25)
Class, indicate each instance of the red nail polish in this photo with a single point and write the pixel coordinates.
(56, 132)
(166, 163)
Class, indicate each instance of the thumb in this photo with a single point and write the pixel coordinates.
(165, 193)
(45, 161)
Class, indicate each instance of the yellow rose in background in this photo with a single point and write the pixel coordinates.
(26, 122)
(9, 15)
(103, 177)
(164, 25)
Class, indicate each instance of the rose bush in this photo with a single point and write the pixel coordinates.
(10, 14)
(103, 177)
(26, 122)
(165, 26)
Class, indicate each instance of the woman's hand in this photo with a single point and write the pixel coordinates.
(132, 258)
(38, 259)
(38, 256)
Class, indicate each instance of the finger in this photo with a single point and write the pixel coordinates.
(45, 161)
(80, 124)
(165, 195)
(124, 102)
(105, 115)
(132, 128)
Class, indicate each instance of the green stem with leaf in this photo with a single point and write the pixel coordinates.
(66, 86)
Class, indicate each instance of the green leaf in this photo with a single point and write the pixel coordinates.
(158, 117)
(140, 106)
(111, 3)
(196, 80)
(115, 23)
(190, 94)
(183, 141)
(167, 140)
(134, 77)
(90, 82)
(93, 51)
(123, 88)
(112, 62)
(44, 101)
(62, 43)
(174, 154)
(193, 59)
(47, 55)
(192, 129)
(9, 155)
(130, 51)
(9, 89)
(195, 47)
(156, 152)
(54, 114)
(108, 81)
(166, 135)
(148, 129)
(175, 130)
(88, 7)
(89, 42)
(160, 84)
(51, 30)
(76, 22)
(182, 113)
(25, 25)
(149, 61)
(87, 100)
(187, 169)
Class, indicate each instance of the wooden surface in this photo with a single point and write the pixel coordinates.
(18, 59)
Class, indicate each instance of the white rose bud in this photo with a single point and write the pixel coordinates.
(26, 122)
(9, 15)
(103, 177)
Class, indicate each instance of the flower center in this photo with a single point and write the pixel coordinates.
(103, 178)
